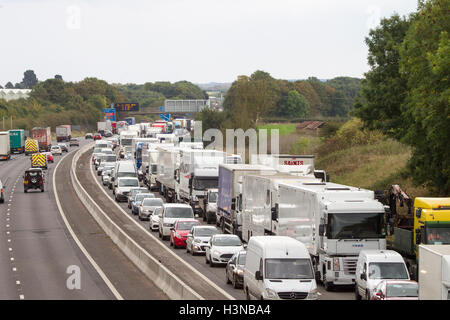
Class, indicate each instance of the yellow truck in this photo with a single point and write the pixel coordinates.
(31, 146)
(39, 160)
(429, 225)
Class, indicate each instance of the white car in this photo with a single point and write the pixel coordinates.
(148, 206)
(171, 212)
(123, 187)
(106, 174)
(56, 150)
(221, 248)
(154, 219)
(198, 239)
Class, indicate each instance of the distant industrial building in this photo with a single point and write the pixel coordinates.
(14, 94)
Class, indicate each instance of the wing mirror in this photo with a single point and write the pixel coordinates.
(274, 211)
(258, 275)
(363, 276)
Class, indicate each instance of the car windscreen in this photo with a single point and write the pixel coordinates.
(241, 260)
(110, 158)
(126, 174)
(288, 269)
(213, 197)
(402, 290)
(227, 241)
(97, 150)
(141, 196)
(387, 270)
(205, 232)
(152, 202)
(186, 225)
(128, 183)
(176, 212)
(33, 173)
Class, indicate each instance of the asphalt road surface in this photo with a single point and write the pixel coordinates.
(39, 257)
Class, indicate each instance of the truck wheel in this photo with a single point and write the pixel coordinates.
(367, 297)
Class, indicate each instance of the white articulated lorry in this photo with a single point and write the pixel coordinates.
(293, 164)
(228, 215)
(126, 140)
(198, 172)
(334, 221)
(168, 162)
(151, 169)
(434, 272)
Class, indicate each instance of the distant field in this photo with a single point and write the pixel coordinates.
(284, 128)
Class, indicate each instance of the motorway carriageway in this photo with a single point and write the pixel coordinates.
(38, 253)
(105, 199)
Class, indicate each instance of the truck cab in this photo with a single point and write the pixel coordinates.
(209, 205)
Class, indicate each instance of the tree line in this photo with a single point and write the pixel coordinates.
(406, 93)
(54, 101)
(153, 94)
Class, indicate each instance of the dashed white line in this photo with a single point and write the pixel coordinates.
(21, 297)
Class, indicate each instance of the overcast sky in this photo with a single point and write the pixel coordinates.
(196, 40)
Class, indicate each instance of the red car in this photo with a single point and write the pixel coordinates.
(180, 230)
(97, 136)
(49, 157)
(396, 290)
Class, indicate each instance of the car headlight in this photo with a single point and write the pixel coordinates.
(313, 295)
(217, 253)
(271, 294)
(239, 272)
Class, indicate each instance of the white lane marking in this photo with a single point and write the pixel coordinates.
(9, 240)
(7, 232)
(77, 241)
(10, 249)
(14, 269)
(201, 275)
(7, 225)
(12, 259)
(18, 282)
(21, 297)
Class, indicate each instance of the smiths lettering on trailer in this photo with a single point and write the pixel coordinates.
(293, 162)
(126, 106)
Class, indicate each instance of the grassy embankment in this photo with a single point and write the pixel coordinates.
(375, 165)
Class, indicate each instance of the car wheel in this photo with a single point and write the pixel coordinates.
(193, 252)
(211, 263)
(226, 276)
(25, 190)
(2, 200)
(42, 189)
(206, 259)
(234, 282)
(247, 295)
(187, 249)
(171, 243)
(139, 217)
(159, 234)
(367, 297)
(357, 296)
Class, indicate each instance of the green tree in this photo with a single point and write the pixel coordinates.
(425, 60)
(384, 88)
(29, 79)
(9, 85)
(296, 105)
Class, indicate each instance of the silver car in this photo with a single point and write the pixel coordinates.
(133, 192)
(148, 207)
(198, 239)
(106, 174)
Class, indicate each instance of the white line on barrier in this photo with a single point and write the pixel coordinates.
(201, 275)
(77, 241)
(75, 159)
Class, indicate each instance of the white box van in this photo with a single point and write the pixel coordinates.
(278, 267)
(373, 266)
(124, 169)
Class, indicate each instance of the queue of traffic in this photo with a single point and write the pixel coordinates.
(278, 225)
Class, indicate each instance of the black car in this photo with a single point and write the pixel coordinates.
(234, 271)
(33, 179)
